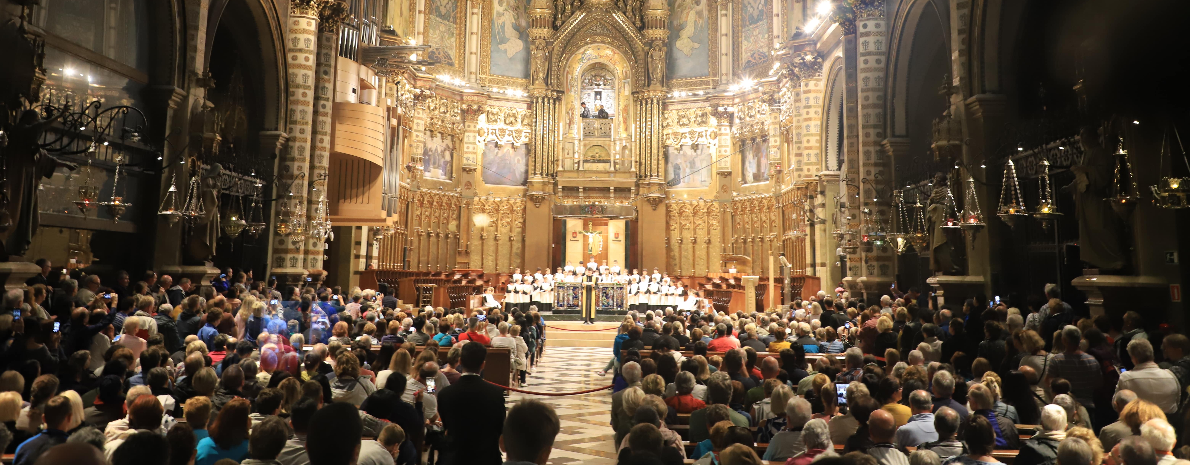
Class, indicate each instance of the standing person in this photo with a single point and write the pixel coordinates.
(1081, 369)
(472, 412)
(588, 301)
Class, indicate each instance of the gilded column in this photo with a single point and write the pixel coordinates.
(875, 192)
(292, 179)
(330, 16)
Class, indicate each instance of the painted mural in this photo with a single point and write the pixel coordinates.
(755, 156)
(689, 37)
(754, 36)
(438, 156)
(505, 164)
(509, 55)
(688, 166)
(441, 30)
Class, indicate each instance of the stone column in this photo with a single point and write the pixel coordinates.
(331, 16)
(875, 197)
(850, 173)
(292, 178)
(826, 247)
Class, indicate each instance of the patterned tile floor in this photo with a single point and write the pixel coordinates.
(586, 436)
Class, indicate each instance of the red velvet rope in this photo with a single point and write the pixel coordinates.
(583, 330)
(551, 394)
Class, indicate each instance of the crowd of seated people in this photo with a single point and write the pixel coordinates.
(165, 371)
(898, 382)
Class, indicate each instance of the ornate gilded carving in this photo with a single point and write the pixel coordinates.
(540, 63)
(657, 63)
(807, 65)
(331, 15)
(505, 124)
(443, 115)
(752, 118)
(690, 126)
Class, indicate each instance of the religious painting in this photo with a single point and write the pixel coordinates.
(688, 166)
(505, 164)
(509, 55)
(437, 158)
(754, 33)
(755, 156)
(689, 39)
(441, 31)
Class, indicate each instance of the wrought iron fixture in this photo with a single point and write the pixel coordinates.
(256, 223)
(193, 209)
(1012, 204)
(88, 194)
(899, 238)
(920, 237)
(233, 223)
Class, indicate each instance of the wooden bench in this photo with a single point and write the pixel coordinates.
(1005, 456)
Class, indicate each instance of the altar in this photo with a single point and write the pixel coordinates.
(609, 298)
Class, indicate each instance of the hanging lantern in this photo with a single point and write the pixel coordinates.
(88, 195)
(1171, 192)
(169, 205)
(193, 209)
(1124, 184)
(920, 237)
(255, 220)
(116, 206)
(1047, 209)
(972, 217)
(899, 238)
(233, 223)
(1012, 205)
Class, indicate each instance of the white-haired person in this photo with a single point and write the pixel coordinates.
(1147, 380)
(788, 442)
(1160, 435)
(1042, 447)
(816, 438)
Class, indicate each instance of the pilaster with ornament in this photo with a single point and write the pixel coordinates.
(331, 16)
(810, 93)
(472, 107)
(301, 40)
(875, 195)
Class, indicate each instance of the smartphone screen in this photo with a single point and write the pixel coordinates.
(273, 302)
(841, 390)
(16, 314)
(431, 385)
(57, 326)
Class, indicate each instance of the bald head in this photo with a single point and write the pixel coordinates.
(74, 453)
(882, 426)
(769, 367)
(1030, 373)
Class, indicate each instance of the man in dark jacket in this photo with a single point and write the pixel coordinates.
(1042, 448)
(472, 412)
(189, 321)
(650, 334)
(57, 412)
(178, 291)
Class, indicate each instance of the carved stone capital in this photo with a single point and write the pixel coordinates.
(304, 8)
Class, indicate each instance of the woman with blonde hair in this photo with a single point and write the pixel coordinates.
(10, 410)
(772, 413)
(704, 369)
(348, 386)
(399, 363)
(886, 339)
(1031, 344)
(243, 314)
(76, 410)
(292, 389)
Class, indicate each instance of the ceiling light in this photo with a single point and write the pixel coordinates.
(812, 24)
(824, 7)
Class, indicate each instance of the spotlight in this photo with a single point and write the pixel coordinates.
(824, 7)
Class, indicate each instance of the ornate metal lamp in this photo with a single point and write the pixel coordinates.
(88, 194)
(1124, 184)
(1012, 205)
(1172, 192)
(898, 237)
(116, 206)
(233, 223)
(169, 205)
(920, 237)
(972, 217)
(193, 209)
(256, 224)
(1047, 210)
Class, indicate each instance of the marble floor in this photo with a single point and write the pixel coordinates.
(586, 436)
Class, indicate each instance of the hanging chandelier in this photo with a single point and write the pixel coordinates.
(1012, 204)
(233, 223)
(1123, 183)
(193, 209)
(169, 205)
(88, 194)
(900, 240)
(972, 217)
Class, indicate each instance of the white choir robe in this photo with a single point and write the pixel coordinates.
(547, 293)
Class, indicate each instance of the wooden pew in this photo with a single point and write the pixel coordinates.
(1005, 456)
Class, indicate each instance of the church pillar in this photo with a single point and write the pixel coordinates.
(651, 179)
(300, 41)
(875, 193)
(985, 117)
(825, 261)
(331, 15)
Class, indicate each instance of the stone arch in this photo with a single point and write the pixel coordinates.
(832, 116)
(912, 18)
(255, 27)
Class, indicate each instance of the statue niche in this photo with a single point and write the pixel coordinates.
(1099, 229)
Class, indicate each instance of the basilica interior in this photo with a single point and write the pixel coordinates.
(963, 149)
